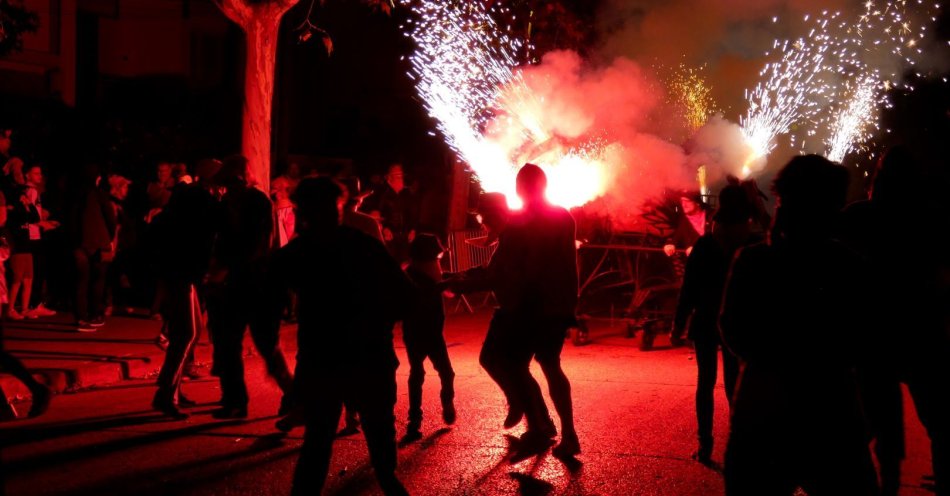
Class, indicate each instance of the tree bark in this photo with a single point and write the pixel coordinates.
(261, 25)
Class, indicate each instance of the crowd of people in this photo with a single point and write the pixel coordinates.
(803, 317)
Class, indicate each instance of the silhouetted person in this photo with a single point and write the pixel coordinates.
(699, 302)
(398, 209)
(351, 294)
(422, 332)
(792, 312)
(503, 340)
(237, 300)
(186, 230)
(904, 237)
(93, 229)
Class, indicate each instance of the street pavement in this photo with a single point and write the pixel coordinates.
(634, 414)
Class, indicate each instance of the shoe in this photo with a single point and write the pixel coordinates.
(97, 322)
(186, 401)
(30, 314)
(290, 421)
(85, 326)
(703, 455)
(411, 436)
(230, 412)
(448, 413)
(12, 314)
(348, 430)
(530, 444)
(514, 417)
(41, 398)
(42, 311)
(677, 341)
(169, 408)
(568, 447)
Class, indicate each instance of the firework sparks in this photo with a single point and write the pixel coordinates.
(853, 122)
(690, 93)
(465, 72)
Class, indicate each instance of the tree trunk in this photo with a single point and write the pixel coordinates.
(261, 40)
(261, 24)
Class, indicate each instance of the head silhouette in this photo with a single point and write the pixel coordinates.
(531, 184)
(810, 192)
(734, 206)
(898, 180)
(318, 204)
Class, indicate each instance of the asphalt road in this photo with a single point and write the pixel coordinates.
(634, 415)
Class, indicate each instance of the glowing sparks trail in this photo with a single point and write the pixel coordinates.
(464, 67)
(689, 92)
(853, 121)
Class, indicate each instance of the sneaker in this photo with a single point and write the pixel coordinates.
(448, 413)
(85, 326)
(12, 314)
(42, 311)
(568, 447)
(30, 314)
(97, 322)
(412, 435)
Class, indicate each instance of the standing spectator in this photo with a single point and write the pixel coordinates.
(351, 294)
(27, 226)
(94, 227)
(699, 300)
(792, 312)
(912, 345)
(117, 269)
(12, 179)
(160, 190)
(422, 332)
(398, 212)
(238, 270)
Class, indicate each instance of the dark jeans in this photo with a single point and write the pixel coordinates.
(233, 307)
(506, 356)
(707, 364)
(431, 347)
(90, 284)
(182, 314)
(373, 395)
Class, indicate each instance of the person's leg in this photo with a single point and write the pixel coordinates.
(227, 324)
(707, 369)
(417, 373)
(16, 266)
(265, 332)
(492, 359)
(83, 268)
(730, 373)
(439, 356)
(322, 411)
(548, 354)
(374, 395)
(181, 334)
(97, 285)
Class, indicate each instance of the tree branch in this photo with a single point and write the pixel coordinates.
(236, 10)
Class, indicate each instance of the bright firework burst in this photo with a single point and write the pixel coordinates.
(464, 67)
